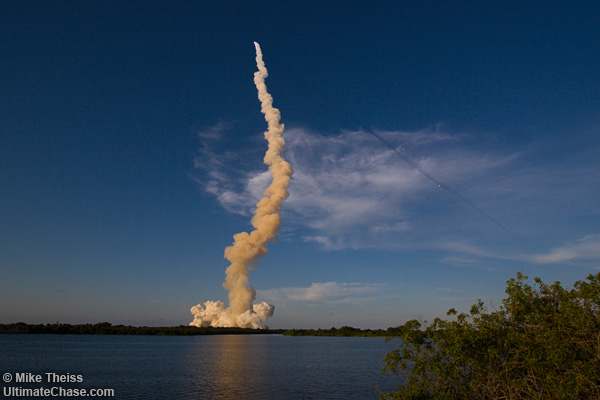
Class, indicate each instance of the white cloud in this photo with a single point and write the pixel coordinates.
(235, 187)
(466, 261)
(320, 292)
(418, 138)
(586, 248)
(441, 289)
(351, 191)
(354, 192)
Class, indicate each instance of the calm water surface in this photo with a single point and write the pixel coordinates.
(207, 367)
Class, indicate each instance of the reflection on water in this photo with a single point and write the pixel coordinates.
(237, 368)
(208, 367)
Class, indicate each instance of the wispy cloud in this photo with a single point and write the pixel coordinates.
(466, 261)
(585, 248)
(441, 289)
(236, 187)
(353, 192)
(350, 191)
(321, 292)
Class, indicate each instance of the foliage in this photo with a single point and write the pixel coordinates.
(542, 343)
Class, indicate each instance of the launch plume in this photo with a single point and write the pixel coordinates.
(248, 247)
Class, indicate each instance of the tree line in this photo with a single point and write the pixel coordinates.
(106, 328)
(345, 331)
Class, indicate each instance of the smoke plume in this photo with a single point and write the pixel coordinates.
(248, 247)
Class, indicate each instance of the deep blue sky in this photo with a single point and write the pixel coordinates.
(131, 152)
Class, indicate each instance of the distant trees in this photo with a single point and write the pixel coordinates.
(106, 328)
(542, 343)
(345, 331)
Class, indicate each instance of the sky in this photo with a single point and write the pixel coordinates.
(439, 148)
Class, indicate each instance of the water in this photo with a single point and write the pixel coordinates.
(206, 367)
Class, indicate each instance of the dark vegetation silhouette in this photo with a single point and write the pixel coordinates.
(106, 328)
(344, 331)
(543, 342)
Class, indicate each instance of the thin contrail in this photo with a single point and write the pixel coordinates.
(330, 99)
(444, 186)
(343, 106)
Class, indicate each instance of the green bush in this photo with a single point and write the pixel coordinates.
(542, 343)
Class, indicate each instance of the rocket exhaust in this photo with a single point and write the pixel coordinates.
(248, 247)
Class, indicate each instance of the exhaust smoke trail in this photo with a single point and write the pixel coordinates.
(248, 247)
